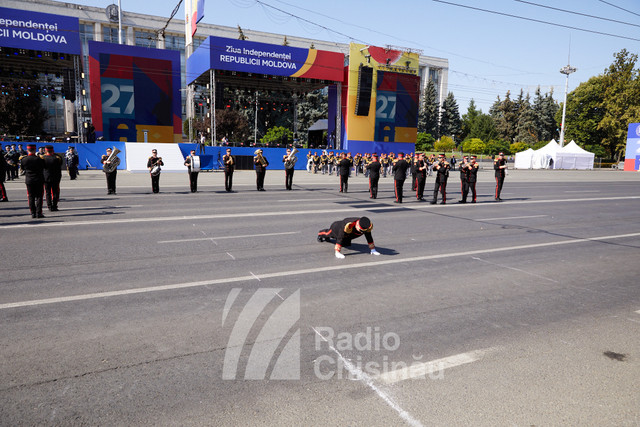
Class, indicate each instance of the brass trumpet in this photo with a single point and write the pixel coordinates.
(261, 160)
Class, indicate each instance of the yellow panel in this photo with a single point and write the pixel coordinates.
(155, 133)
(406, 134)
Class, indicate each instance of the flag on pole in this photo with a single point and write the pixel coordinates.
(188, 35)
(197, 13)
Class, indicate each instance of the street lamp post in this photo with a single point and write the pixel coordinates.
(565, 70)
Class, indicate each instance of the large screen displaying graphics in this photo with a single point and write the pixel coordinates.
(632, 153)
(394, 99)
(135, 93)
(220, 53)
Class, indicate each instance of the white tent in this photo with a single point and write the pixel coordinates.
(545, 157)
(523, 159)
(572, 156)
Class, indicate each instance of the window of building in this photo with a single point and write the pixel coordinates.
(110, 34)
(145, 38)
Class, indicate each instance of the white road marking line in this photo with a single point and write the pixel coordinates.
(322, 269)
(514, 269)
(256, 277)
(278, 213)
(511, 217)
(366, 379)
(582, 191)
(227, 237)
(77, 208)
(638, 311)
(418, 370)
(232, 257)
(309, 200)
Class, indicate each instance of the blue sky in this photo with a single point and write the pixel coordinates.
(488, 53)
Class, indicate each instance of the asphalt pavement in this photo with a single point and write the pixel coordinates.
(219, 308)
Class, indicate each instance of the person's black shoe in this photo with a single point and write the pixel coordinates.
(462, 201)
(54, 209)
(433, 202)
(397, 201)
(473, 201)
(443, 203)
(41, 215)
(4, 200)
(421, 199)
(33, 215)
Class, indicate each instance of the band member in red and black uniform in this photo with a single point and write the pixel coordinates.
(229, 163)
(399, 170)
(343, 232)
(52, 177)
(3, 172)
(33, 166)
(500, 166)
(344, 168)
(421, 176)
(441, 167)
(473, 177)
(111, 176)
(289, 166)
(193, 176)
(464, 179)
(154, 161)
(373, 167)
(261, 164)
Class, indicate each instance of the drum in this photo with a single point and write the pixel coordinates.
(195, 163)
(155, 170)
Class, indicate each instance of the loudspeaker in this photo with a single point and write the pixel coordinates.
(69, 85)
(363, 98)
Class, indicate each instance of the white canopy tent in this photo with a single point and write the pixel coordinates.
(523, 159)
(545, 157)
(572, 156)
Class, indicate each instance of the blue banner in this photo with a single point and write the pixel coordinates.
(39, 31)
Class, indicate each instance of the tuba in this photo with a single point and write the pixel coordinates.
(113, 160)
(291, 159)
(258, 154)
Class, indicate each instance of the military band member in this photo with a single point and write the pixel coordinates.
(111, 176)
(464, 179)
(309, 161)
(324, 162)
(473, 177)
(33, 166)
(357, 161)
(152, 163)
(441, 167)
(500, 166)
(316, 162)
(384, 162)
(52, 177)
(344, 169)
(331, 162)
(421, 176)
(261, 164)
(289, 167)
(399, 176)
(343, 232)
(373, 168)
(193, 175)
(3, 173)
(72, 161)
(229, 163)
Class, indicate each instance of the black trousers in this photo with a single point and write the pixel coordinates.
(52, 194)
(3, 191)
(373, 185)
(73, 172)
(472, 187)
(398, 188)
(288, 178)
(260, 179)
(499, 182)
(34, 194)
(413, 181)
(442, 188)
(193, 181)
(344, 183)
(464, 188)
(111, 181)
(420, 183)
(228, 180)
(155, 183)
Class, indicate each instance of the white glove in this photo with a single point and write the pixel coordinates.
(339, 255)
(374, 252)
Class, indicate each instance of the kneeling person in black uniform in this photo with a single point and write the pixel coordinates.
(345, 231)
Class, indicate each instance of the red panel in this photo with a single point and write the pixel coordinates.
(96, 94)
(327, 66)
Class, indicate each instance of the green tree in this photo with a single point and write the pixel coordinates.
(527, 126)
(311, 108)
(505, 116)
(469, 119)
(517, 147)
(425, 142)
(483, 127)
(232, 124)
(277, 135)
(445, 144)
(497, 146)
(429, 115)
(474, 146)
(545, 109)
(450, 123)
